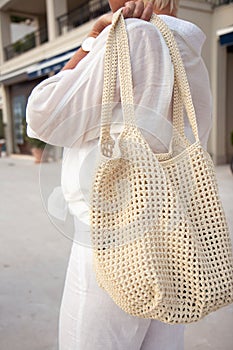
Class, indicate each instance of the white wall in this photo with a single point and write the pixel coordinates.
(222, 18)
(215, 57)
(19, 30)
(201, 15)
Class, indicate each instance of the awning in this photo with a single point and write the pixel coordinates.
(54, 64)
(42, 68)
(226, 36)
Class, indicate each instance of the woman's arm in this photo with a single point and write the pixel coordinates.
(131, 9)
(55, 94)
(58, 109)
(64, 108)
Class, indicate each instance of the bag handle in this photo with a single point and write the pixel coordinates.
(113, 58)
(180, 78)
(117, 51)
(109, 86)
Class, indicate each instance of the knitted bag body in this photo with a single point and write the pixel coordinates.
(162, 247)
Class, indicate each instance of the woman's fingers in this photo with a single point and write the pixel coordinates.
(132, 9)
(128, 9)
(137, 9)
(148, 11)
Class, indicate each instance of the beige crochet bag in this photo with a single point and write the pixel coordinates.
(162, 248)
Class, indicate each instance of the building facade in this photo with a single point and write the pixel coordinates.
(56, 29)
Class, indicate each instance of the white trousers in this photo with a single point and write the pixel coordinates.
(90, 320)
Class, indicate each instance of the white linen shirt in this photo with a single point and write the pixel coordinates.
(64, 110)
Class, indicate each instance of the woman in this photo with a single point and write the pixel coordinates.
(89, 319)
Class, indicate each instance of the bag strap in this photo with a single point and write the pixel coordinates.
(180, 77)
(109, 86)
(117, 52)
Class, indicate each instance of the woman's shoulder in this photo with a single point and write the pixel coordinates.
(140, 34)
(143, 34)
(135, 25)
(183, 30)
(186, 31)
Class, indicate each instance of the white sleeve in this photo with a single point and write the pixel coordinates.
(54, 105)
(65, 109)
(61, 110)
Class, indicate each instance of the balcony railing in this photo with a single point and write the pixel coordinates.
(68, 21)
(28, 42)
(81, 15)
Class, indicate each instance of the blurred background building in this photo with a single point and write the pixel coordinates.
(38, 38)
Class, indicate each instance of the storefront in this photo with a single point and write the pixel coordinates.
(226, 39)
(226, 45)
(17, 87)
(229, 102)
(19, 94)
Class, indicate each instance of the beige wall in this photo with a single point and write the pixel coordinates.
(201, 15)
(55, 9)
(63, 43)
(4, 2)
(5, 34)
(222, 18)
(215, 57)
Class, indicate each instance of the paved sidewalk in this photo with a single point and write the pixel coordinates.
(34, 257)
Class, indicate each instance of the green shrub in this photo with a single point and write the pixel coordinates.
(35, 143)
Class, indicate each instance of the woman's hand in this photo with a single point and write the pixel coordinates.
(137, 9)
(132, 9)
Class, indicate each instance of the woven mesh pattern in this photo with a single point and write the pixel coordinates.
(162, 248)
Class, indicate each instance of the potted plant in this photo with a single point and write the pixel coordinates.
(37, 149)
(36, 146)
